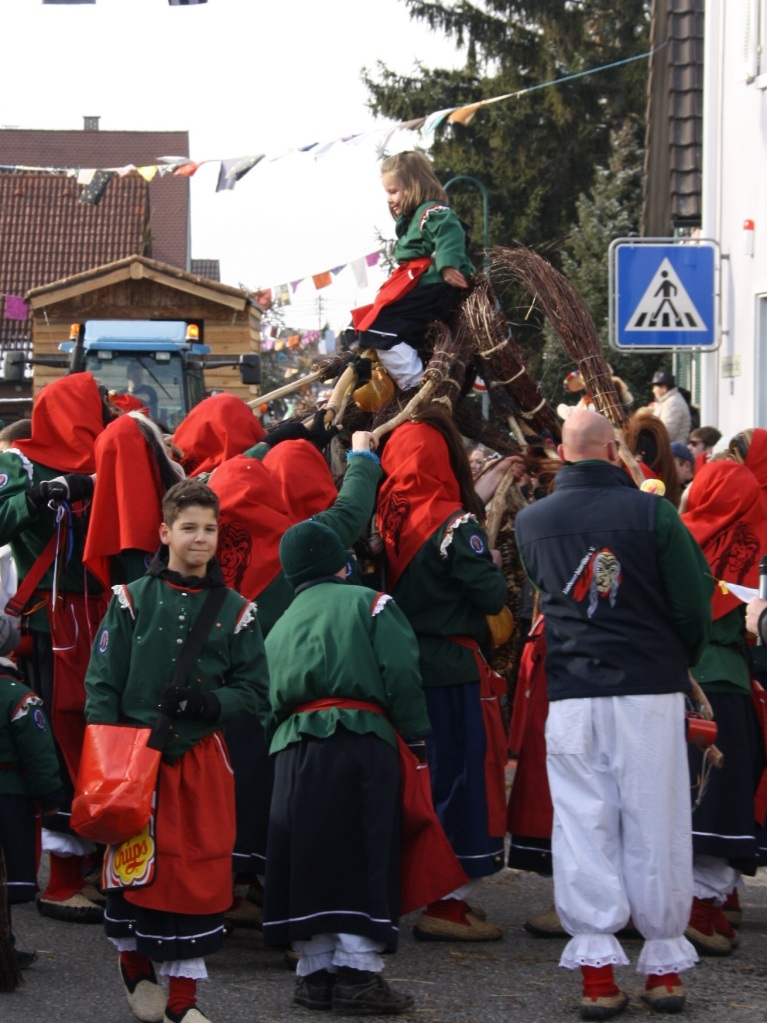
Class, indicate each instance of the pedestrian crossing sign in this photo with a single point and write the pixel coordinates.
(663, 294)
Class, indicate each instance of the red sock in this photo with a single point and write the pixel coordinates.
(598, 982)
(448, 909)
(66, 877)
(667, 980)
(701, 915)
(135, 965)
(182, 994)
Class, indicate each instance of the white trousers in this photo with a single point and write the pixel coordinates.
(329, 951)
(714, 878)
(403, 364)
(622, 841)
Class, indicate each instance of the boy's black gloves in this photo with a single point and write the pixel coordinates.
(292, 430)
(180, 702)
(319, 434)
(75, 486)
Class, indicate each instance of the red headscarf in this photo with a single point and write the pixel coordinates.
(726, 515)
(302, 477)
(67, 417)
(127, 500)
(252, 522)
(419, 494)
(756, 457)
(218, 428)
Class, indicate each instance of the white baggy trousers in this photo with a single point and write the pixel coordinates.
(621, 842)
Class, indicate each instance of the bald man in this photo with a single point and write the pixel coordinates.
(626, 597)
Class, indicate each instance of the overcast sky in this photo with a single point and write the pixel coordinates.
(243, 77)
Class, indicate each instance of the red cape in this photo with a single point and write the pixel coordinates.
(756, 457)
(726, 515)
(127, 500)
(302, 477)
(252, 522)
(218, 428)
(67, 418)
(418, 495)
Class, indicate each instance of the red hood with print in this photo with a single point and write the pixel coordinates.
(418, 495)
(252, 522)
(218, 428)
(67, 417)
(726, 515)
(302, 477)
(127, 500)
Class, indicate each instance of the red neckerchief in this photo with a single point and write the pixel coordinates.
(67, 418)
(302, 477)
(127, 500)
(218, 428)
(251, 524)
(419, 493)
(726, 515)
(401, 281)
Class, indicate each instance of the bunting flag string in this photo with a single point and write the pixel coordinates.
(233, 170)
(279, 295)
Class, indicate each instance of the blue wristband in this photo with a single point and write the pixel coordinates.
(365, 454)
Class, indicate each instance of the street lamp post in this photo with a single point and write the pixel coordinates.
(485, 207)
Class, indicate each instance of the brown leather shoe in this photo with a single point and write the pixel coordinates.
(468, 928)
(546, 925)
(603, 1006)
(664, 997)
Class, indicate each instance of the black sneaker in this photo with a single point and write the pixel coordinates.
(315, 990)
(362, 993)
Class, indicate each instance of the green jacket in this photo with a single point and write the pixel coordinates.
(447, 590)
(341, 640)
(433, 230)
(724, 665)
(28, 532)
(137, 647)
(28, 762)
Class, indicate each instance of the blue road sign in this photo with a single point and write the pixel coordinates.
(663, 294)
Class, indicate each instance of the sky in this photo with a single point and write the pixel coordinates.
(243, 77)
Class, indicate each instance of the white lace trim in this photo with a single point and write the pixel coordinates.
(666, 955)
(247, 616)
(447, 539)
(121, 593)
(24, 461)
(381, 602)
(593, 950)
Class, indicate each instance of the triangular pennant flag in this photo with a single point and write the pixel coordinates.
(433, 121)
(16, 308)
(186, 3)
(148, 173)
(464, 114)
(282, 295)
(360, 271)
(187, 169)
(263, 298)
(92, 193)
(372, 258)
(122, 171)
(294, 284)
(232, 170)
(322, 280)
(85, 176)
(337, 269)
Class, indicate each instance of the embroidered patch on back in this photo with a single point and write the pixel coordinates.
(476, 544)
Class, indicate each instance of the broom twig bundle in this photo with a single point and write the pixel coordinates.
(473, 425)
(570, 318)
(514, 394)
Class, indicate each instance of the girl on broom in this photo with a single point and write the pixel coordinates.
(433, 269)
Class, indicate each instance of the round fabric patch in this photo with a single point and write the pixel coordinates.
(104, 641)
(39, 719)
(476, 544)
(3, 479)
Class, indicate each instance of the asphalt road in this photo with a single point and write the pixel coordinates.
(517, 979)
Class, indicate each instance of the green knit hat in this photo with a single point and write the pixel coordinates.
(309, 551)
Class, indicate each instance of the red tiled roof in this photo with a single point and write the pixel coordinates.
(168, 196)
(46, 234)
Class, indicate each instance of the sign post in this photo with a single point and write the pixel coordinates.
(664, 295)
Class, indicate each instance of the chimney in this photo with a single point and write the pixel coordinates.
(91, 123)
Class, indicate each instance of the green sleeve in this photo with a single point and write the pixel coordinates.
(471, 565)
(245, 688)
(15, 514)
(687, 580)
(352, 510)
(259, 451)
(34, 744)
(109, 666)
(398, 654)
(443, 230)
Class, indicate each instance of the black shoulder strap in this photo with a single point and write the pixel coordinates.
(189, 653)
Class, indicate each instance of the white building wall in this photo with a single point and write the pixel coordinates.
(735, 191)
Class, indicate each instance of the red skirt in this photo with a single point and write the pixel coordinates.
(194, 833)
